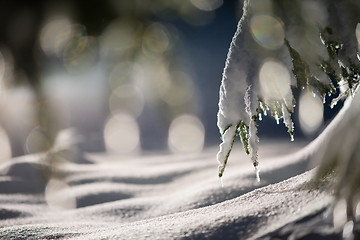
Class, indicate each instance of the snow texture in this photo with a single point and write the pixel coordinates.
(257, 80)
(166, 196)
(239, 106)
(236, 103)
(156, 197)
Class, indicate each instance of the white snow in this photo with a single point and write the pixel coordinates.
(225, 148)
(256, 78)
(162, 197)
(241, 89)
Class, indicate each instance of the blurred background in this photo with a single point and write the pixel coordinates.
(124, 76)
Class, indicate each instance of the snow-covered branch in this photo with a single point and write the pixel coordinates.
(269, 56)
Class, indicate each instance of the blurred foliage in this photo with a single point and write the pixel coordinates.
(134, 42)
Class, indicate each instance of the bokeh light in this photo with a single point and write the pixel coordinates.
(127, 98)
(207, 5)
(195, 16)
(156, 39)
(80, 51)
(311, 111)
(122, 73)
(139, 51)
(19, 106)
(267, 31)
(181, 90)
(261, 6)
(119, 38)
(122, 134)
(66, 139)
(37, 141)
(186, 135)
(55, 34)
(154, 83)
(55, 195)
(5, 152)
(274, 80)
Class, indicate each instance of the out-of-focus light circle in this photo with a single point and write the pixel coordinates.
(122, 134)
(119, 37)
(37, 141)
(196, 17)
(186, 135)
(274, 80)
(267, 31)
(19, 107)
(80, 51)
(181, 90)
(122, 73)
(55, 197)
(311, 111)
(207, 5)
(127, 98)
(156, 39)
(66, 139)
(153, 78)
(5, 152)
(54, 35)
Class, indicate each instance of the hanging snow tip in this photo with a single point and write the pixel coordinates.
(257, 172)
(228, 139)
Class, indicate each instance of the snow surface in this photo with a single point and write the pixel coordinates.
(156, 197)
